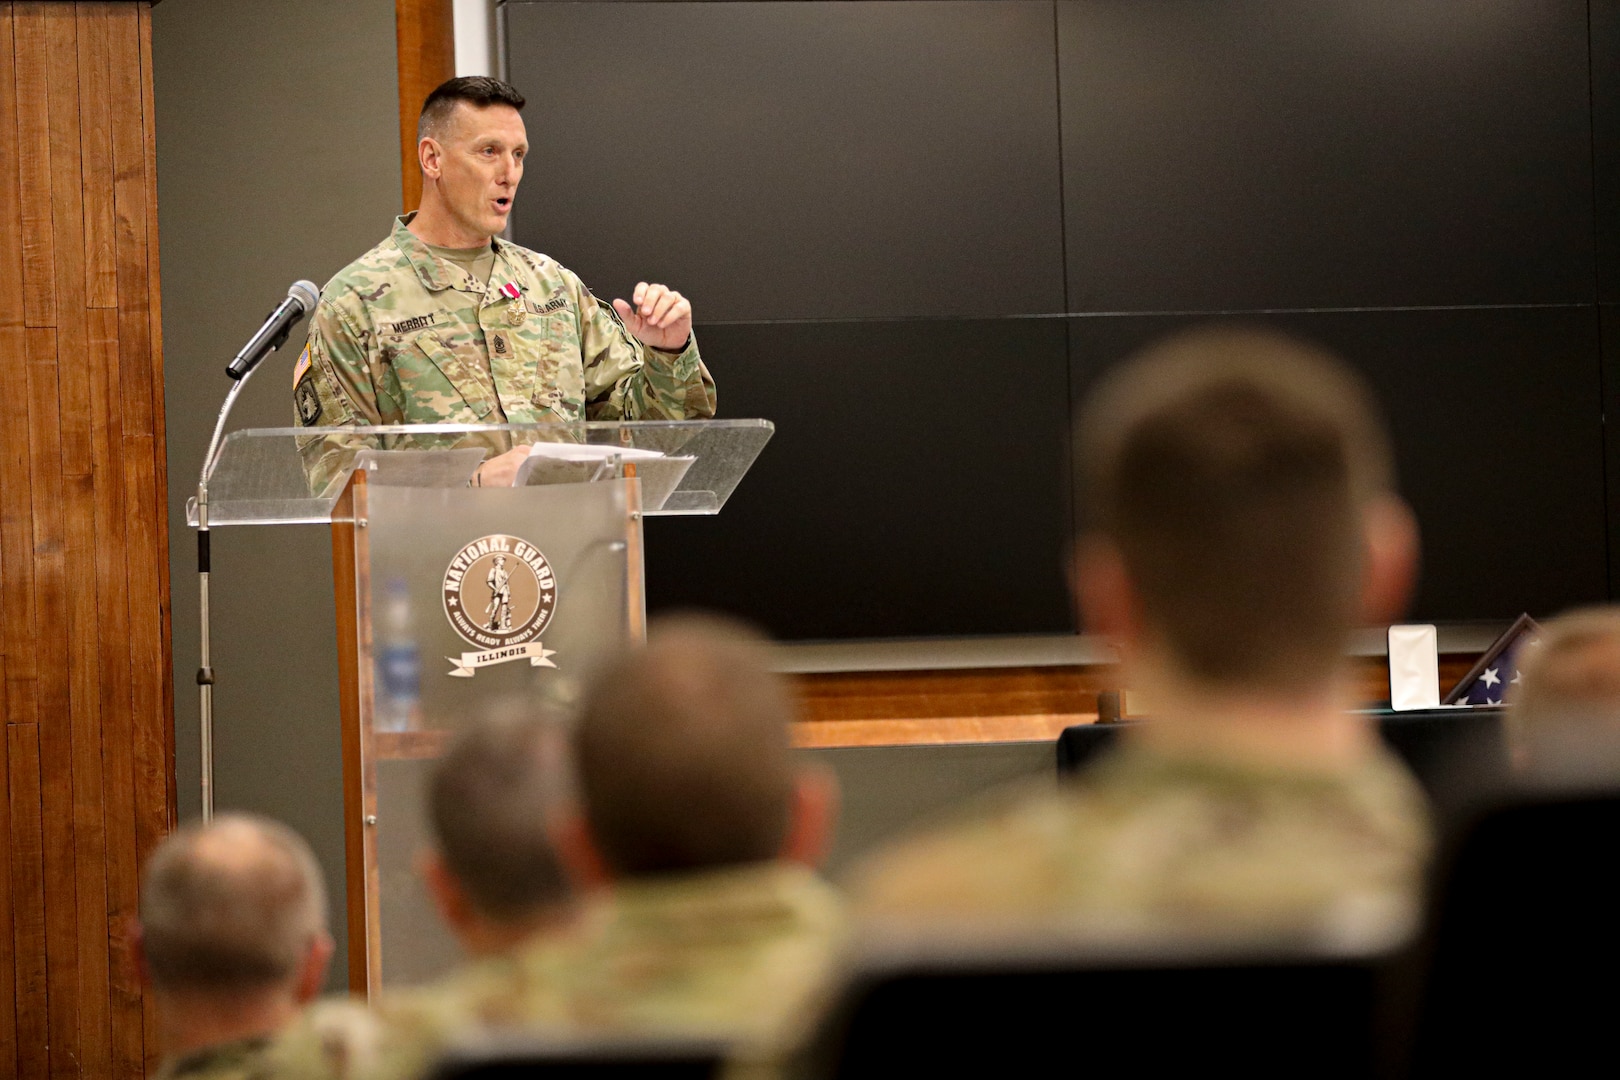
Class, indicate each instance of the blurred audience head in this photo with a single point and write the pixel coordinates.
(1564, 716)
(233, 928)
(1236, 488)
(494, 873)
(683, 759)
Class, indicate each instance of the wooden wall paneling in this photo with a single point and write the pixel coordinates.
(28, 906)
(95, 145)
(84, 683)
(34, 164)
(425, 35)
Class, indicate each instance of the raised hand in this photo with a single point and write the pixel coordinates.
(658, 316)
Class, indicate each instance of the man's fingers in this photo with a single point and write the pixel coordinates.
(678, 311)
(649, 299)
(661, 310)
(641, 291)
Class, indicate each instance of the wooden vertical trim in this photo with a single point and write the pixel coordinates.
(126, 1037)
(425, 36)
(164, 719)
(85, 696)
(54, 701)
(8, 963)
(348, 556)
(153, 744)
(34, 164)
(28, 907)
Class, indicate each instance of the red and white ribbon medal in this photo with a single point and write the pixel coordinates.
(514, 310)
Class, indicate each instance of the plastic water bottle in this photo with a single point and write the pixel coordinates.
(399, 663)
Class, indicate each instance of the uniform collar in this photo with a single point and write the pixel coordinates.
(211, 1057)
(728, 898)
(434, 273)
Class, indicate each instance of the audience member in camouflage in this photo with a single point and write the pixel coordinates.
(412, 333)
(1238, 494)
(743, 956)
(1146, 839)
(704, 918)
(233, 942)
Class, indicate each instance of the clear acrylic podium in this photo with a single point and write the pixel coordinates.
(455, 602)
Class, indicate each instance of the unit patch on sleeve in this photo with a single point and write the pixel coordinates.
(308, 401)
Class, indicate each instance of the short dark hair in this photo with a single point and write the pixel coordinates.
(490, 802)
(480, 91)
(682, 751)
(1230, 467)
(230, 907)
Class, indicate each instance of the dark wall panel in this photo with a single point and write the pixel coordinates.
(1272, 154)
(916, 484)
(1496, 416)
(797, 160)
(1605, 56)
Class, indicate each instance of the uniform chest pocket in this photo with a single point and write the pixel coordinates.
(440, 382)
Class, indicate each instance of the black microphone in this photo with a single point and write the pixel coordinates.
(301, 300)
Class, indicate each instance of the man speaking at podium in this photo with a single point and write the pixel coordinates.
(444, 322)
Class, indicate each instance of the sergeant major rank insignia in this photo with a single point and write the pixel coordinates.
(499, 594)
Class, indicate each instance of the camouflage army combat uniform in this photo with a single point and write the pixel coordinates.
(402, 336)
(745, 955)
(244, 1059)
(1145, 839)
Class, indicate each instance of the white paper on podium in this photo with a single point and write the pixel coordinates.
(572, 463)
(1414, 668)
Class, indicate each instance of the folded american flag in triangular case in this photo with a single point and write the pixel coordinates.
(1487, 682)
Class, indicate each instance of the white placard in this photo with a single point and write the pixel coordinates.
(1414, 668)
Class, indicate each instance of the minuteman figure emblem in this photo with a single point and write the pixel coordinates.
(499, 591)
(500, 596)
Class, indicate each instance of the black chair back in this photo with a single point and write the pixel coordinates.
(1455, 753)
(1524, 952)
(1084, 1015)
(618, 1058)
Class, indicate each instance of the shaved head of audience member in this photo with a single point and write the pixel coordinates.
(233, 938)
(1240, 521)
(1564, 716)
(683, 762)
(493, 873)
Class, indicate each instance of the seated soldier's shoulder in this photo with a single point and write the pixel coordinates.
(346, 1039)
(1007, 852)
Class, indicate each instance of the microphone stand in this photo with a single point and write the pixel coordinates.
(205, 672)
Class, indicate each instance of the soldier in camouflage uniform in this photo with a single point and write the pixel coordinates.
(444, 322)
(703, 918)
(233, 941)
(1241, 522)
